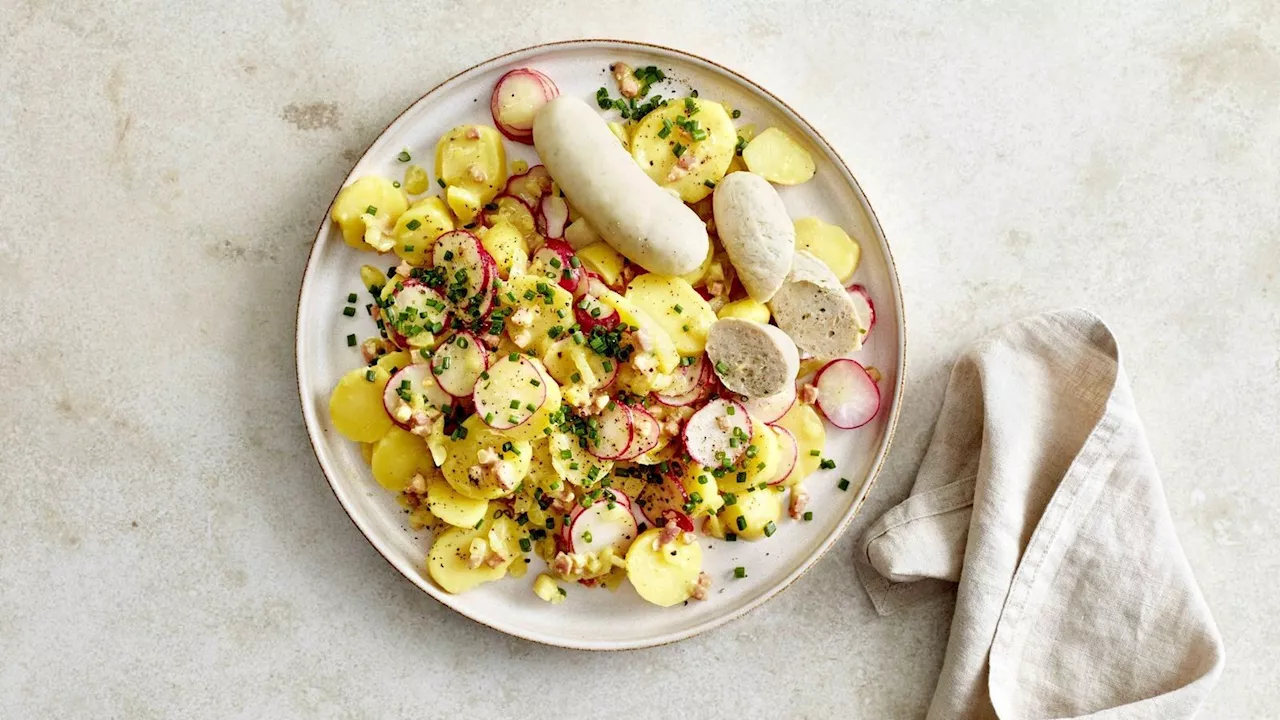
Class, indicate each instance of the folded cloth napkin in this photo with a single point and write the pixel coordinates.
(1039, 496)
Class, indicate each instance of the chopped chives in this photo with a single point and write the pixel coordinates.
(808, 516)
(349, 311)
(351, 341)
(739, 572)
(742, 523)
(404, 156)
(770, 529)
(844, 484)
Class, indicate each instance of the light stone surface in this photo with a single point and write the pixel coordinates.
(168, 546)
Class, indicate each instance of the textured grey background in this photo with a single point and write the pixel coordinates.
(167, 544)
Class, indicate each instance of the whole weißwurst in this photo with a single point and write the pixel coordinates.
(639, 219)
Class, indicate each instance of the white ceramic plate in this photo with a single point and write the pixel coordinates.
(597, 618)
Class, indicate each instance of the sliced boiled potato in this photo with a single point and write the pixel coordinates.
(703, 490)
(472, 158)
(539, 306)
(621, 133)
(573, 463)
(397, 457)
(542, 474)
(372, 278)
(356, 408)
(453, 507)
(811, 436)
(778, 158)
(464, 202)
(393, 361)
(752, 513)
(418, 227)
(664, 349)
(514, 458)
(664, 146)
(665, 575)
(351, 211)
(602, 258)
(572, 364)
(676, 307)
(745, 309)
(449, 560)
(508, 247)
(760, 462)
(830, 244)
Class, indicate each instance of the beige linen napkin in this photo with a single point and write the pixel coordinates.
(1038, 495)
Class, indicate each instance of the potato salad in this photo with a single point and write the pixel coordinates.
(585, 364)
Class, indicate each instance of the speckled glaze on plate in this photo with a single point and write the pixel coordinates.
(597, 619)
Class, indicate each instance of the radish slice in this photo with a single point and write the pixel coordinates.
(788, 454)
(866, 308)
(772, 407)
(717, 433)
(599, 526)
(686, 377)
(458, 362)
(512, 209)
(657, 499)
(847, 395)
(413, 388)
(415, 310)
(591, 313)
(517, 383)
(530, 185)
(702, 388)
(645, 433)
(468, 268)
(682, 521)
(553, 215)
(554, 261)
(613, 433)
(516, 98)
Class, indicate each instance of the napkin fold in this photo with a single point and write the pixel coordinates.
(1039, 497)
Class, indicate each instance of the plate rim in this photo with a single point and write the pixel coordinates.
(806, 564)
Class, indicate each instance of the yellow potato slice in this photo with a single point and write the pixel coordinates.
(811, 436)
(664, 576)
(664, 349)
(351, 210)
(676, 307)
(393, 361)
(473, 158)
(397, 457)
(663, 142)
(539, 306)
(830, 244)
(508, 247)
(463, 455)
(752, 513)
(453, 507)
(603, 259)
(448, 560)
(745, 309)
(703, 490)
(373, 278)
(355, 406)
(573, 463)
(464, 203)
(759, 465)
(418, 227)
(778, 158)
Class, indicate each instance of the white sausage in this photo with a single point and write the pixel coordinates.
(645, 223)
(752, 359)
(756, 232)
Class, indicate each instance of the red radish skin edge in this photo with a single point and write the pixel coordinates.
(631, 433)
(710, 462)
(517, 185)
(795, 454)
(861, 292)
(513, 132)
(485, 217)
(856, 373)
